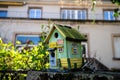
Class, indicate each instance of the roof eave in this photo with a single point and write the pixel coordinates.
(75, 40)
(49, 35)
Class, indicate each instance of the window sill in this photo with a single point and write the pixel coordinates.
(63, 20)
(116, 58)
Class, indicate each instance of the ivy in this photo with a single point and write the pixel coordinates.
(116, 11)
(116, 2)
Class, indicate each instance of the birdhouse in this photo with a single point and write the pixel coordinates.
(64, 47)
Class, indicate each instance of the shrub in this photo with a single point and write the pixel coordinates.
(35, 58)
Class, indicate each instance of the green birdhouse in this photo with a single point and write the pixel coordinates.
(64, 47)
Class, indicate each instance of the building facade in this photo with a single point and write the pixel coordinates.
(26, 19)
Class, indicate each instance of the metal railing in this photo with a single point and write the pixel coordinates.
(51, 15)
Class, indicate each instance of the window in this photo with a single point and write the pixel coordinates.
(109, 15)
(35, 13)
(73, 14)
(31, 40)
(60, 50)
(85, 49)
(74, 48)
(3, 13)
(116, 46)
(85, 46)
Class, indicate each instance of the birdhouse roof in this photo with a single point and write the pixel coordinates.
(67, 32)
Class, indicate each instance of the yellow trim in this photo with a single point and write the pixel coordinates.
(52, 44)
(64, 62)
(78, 61)
(11, 3)
(49, 34)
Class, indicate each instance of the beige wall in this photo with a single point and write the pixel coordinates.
(100, 35)
(100, 42)
(96, 14)
(8, 28)
(53, 11)
(17, 11)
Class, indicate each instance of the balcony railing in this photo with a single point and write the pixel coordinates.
(52, 15)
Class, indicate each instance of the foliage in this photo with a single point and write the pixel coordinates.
(93, 4)
(116, 11)
(28, 58)
(116, 2)
(6, 55)
(35, 58)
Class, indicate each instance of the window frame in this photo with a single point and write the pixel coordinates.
(6, 13)
(109, 10)
(74, 9)
(15, 35)
(86, 43)
(113, 48)
(35, 8)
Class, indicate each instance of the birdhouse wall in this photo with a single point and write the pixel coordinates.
(74, 49)
(68, 53)
(60, 43)
(74, 54)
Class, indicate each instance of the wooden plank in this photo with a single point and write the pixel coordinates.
(64, 62)
(78, 61)
(64, 65)
(75, 60)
